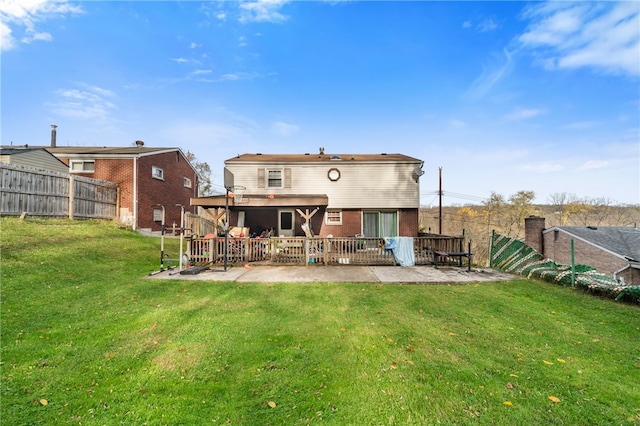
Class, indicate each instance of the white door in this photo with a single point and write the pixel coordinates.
(285, 223)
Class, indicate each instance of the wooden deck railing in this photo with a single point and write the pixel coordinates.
(317, 250)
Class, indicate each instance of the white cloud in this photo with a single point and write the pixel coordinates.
(457, 123)
(593, 164)
(466, 24)
(487, 25)
(580, 125)
(284, 129)
(27, 39)
(523, 114)
(89, 102)
(542, 168)
(603, 36)
(201, 72)
(490, 76)
(24, 15)
(237, 76)
(262, 11)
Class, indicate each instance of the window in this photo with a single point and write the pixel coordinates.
(333, 217)
(187, 182)
(157, 173)
(157, 215)
(82, 166)
(274, 178)
(380, 223)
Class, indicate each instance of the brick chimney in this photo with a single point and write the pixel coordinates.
(533, 227)
(53, 135)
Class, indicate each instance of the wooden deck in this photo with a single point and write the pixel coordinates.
(430, 250)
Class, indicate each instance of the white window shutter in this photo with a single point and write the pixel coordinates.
(287, 177)
(261, 177)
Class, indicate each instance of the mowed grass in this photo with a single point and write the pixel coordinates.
(88, 339)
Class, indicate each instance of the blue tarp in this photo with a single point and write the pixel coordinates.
(402, 248)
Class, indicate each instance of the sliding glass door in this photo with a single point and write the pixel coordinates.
(377, 224)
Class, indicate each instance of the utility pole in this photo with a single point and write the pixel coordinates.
(440, 201)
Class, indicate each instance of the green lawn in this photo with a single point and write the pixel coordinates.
(87, 339)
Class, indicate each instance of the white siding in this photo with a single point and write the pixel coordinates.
(365, 185)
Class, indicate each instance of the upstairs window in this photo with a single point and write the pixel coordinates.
(157, 173)
(274, 178)
(187, 182)
(82, 166)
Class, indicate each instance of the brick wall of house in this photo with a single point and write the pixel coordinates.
(557, 247)
(408, 223)
(119, 171)
(168, 191)
(631, 276)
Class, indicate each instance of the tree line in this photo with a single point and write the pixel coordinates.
(506, 215)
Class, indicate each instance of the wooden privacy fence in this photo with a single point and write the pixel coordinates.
(316, 250)
(197, 225)
(48, 193)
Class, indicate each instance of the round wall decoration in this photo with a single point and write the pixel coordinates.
(333, 174)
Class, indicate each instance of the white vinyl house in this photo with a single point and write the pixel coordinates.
(375, 195)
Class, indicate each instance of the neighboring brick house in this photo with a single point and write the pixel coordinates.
(146, 177)
(612, 250)
(375, 195)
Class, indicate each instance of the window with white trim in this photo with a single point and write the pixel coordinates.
(333, 217)
(380, 223)
(187, 182)
(157, 173)
(81, 166)
(274, 178)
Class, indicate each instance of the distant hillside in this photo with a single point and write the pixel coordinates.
(477, 222)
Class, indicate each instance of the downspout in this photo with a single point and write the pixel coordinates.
(624, 268)
(135, 192)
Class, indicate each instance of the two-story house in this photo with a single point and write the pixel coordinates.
(375, 195)
(147, 178)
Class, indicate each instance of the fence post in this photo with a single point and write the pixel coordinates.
(71, 195)
(573, 266)
(493, 234)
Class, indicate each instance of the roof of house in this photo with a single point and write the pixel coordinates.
(11, 150)
(321, 158)
(16, 150)
(623, 241)
(106, 150)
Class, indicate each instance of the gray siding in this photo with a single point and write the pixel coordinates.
(39, 159)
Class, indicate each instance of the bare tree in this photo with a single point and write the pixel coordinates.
(565, 205)
(204, 173)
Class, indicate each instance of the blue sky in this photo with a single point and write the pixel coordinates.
(504, 96)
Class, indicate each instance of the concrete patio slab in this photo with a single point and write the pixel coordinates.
(341, 273)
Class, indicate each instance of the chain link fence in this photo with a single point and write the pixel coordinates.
(514, 256)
